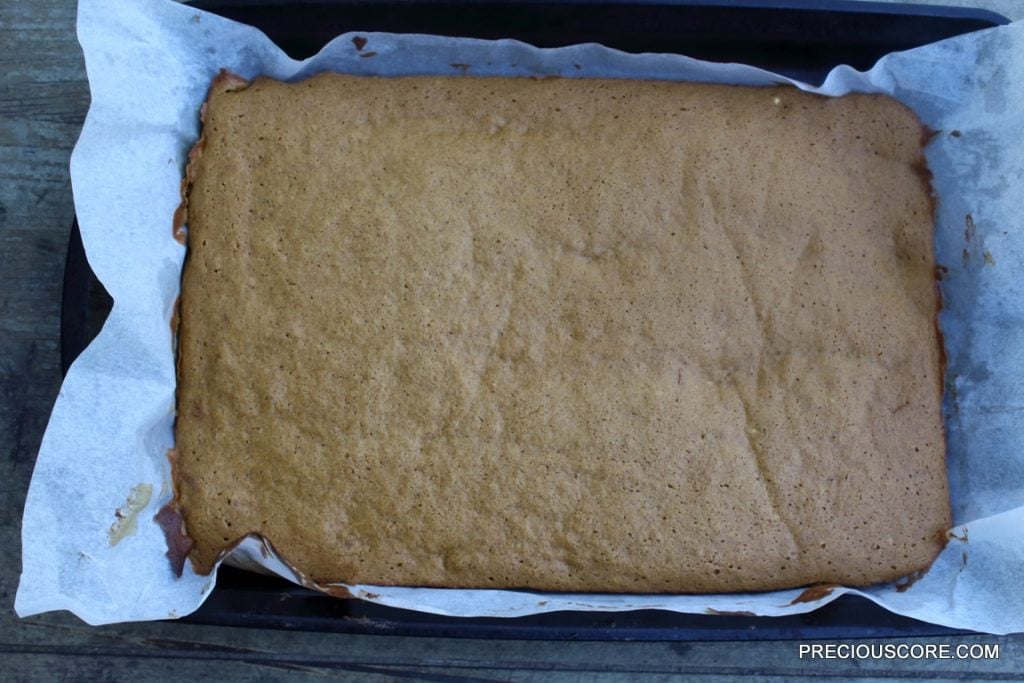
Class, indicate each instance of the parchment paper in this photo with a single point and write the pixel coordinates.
(149, 65)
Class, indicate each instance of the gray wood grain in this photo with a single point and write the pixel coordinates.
(43, 101)
(41, 110)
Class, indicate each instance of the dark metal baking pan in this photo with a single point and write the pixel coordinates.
(800, 39)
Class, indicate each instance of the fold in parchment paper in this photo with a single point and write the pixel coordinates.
(149, 65)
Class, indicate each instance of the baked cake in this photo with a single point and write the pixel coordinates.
(560, 334)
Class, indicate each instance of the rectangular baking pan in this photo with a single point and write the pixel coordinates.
(804, 40)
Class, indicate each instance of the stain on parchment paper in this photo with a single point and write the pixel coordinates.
(126, 515)
(969, 232)
(813, 593)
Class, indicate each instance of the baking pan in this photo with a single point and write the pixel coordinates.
(804, 40)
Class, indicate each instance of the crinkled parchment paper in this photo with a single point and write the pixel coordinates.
(103, 461)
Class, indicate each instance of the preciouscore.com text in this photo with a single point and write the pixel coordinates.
(899, 650)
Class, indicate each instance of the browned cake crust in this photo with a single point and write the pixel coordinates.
(561, 334)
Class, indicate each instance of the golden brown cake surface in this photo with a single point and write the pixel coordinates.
(561, 334)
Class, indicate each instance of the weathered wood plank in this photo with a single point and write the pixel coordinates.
(43, 99)
(267, 651)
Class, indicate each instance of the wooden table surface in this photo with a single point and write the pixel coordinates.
(43, 100)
